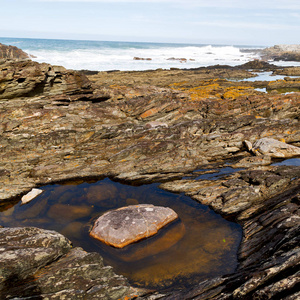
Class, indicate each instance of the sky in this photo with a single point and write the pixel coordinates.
(239, 22)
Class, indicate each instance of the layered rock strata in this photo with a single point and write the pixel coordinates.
(29, 79)
(274, 148)
(12, 53)
(154, 126)
(36, 263)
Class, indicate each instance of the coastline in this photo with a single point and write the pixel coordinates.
(159, 126)
(125, 56)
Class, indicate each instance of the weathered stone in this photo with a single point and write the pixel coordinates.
(28, 78)
(26, 250)
(130, 224)
(248, 145)
(157, 126)
(12, 53)
(288, 71)
(275, 148)
(36, 263)
(286, 85)
(142, 58)
(31, 195)
(282, 52)
(252, 161)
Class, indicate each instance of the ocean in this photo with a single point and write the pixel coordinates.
(105, 56)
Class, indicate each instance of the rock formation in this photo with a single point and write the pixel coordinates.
(170, 126)
(288, 71)
(282, 52)
(130, 224)
(12, 53)
(28, 79)
(274, 148)
(287, 84)
(142, 58)
(37, 263)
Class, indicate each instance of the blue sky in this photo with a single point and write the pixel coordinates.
(244, 22)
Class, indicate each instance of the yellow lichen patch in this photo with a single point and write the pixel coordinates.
(205, 91)
(290, 132)
(177, 84)
(116, 86)
(235, 92)
(211, 89)
(276, 81)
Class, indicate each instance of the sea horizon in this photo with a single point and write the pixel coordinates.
(131, 41)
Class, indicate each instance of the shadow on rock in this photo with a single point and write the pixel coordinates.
(15, 287)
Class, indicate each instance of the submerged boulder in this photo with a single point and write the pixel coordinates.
(130, 224)
(274, 148)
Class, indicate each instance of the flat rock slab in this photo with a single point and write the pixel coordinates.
(31, 195)
(275, 148)
(130, 224)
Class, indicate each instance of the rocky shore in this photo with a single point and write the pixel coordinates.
(166, 126)
(282, 52)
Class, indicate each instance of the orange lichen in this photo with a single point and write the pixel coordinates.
(235, 92)
(149, 113)
(177, 84)
(211, 89)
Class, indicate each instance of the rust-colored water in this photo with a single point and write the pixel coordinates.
(199, 245)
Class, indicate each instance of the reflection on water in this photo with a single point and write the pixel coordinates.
(288, 162)
(198, 246)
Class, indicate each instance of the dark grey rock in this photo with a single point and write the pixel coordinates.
(26, 250)
(41, 263)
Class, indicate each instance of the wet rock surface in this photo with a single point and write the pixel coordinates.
(165, 126)
(130, 224)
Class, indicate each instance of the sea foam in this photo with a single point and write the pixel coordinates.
(103, 56)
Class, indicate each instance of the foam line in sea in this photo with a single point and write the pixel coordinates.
(103, 56)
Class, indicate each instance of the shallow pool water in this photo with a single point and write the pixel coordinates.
(199, 245)
(288, 162)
